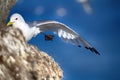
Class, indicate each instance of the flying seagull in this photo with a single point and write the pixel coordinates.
(34, 28)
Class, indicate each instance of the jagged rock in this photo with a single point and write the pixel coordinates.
(22, 61)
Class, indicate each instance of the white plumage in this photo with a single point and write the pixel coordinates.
(34, 28)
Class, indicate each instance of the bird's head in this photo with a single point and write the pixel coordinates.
(15, 19)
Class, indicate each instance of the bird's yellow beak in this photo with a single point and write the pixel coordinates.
(9, 23)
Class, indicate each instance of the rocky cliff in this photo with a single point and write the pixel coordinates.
(22, 61)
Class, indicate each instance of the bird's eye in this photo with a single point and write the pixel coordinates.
(16, 18)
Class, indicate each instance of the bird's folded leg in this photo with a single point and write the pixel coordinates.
(49, 37)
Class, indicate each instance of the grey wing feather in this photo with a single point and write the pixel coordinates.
(64, 32)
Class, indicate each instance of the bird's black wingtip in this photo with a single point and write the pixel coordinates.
(92, 49)
(95, 51)
(79, 45)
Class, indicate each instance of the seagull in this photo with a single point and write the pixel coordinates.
(34, 28)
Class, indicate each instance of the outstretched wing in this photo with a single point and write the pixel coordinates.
(64, 32)
(5, 7)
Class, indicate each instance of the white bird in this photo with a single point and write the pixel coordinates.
(34, 28)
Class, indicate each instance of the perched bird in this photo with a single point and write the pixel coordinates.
(34, 28)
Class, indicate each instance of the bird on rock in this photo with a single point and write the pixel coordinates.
(32, 29)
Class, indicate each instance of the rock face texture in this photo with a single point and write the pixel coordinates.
(21, 61)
